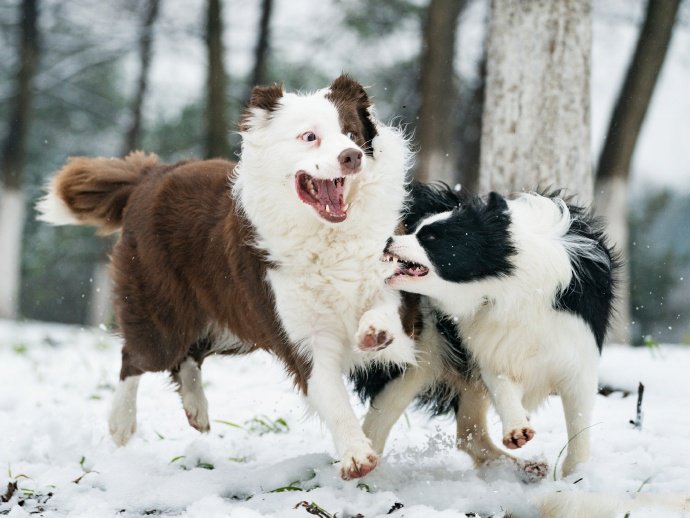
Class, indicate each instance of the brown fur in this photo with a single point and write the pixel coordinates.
(185, 257)
(97, 189)
(352, 103)
(263, 97)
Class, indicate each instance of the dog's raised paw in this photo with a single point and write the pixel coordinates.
(518, 437)
(356, 465)
(374, 339)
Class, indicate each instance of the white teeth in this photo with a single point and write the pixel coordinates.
(310, 187)
(347, 206)
(328, 209)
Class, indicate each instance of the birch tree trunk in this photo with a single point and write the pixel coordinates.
(437, 157)
(611, 192)
(536, 129)
(12, 202)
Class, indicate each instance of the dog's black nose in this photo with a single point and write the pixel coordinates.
(388, 244)
(350, 160)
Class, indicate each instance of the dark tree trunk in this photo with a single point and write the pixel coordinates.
(471, 131)
(611, 191)
(12, 202)
(14, 148)
(634, 98)
(100, 303)
(216, 137)
(262, 45)
(133, 134)
(439, 97)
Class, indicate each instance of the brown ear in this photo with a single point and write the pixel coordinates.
(264, 98)
(347, 89)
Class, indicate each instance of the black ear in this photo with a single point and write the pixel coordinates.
(496, 202)
(344, 88)
(265, 98)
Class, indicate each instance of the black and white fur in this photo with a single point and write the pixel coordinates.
(528, 283)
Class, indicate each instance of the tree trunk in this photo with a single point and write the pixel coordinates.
(12, 207)
(436, 159)
(133, 134)
(626, 122)
(100, 298)
(535, 131)
(216, 137)
(471, 131)
(262, 45)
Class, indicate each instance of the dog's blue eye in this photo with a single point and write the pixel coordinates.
(350, 135)
(309, 136)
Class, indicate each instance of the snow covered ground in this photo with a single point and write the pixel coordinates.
(265, 454)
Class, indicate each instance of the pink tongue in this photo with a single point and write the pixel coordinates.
(329, 194)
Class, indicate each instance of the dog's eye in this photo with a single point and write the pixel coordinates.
(309, 136)
(350, 135)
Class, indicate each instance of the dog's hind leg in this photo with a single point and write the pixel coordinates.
(578, 400)
(473, 435)
(188, 378)
(391, 402)
(123, 414)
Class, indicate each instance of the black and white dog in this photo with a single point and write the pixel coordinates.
(521, 293)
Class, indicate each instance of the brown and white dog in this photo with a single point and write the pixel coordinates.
(278, 252)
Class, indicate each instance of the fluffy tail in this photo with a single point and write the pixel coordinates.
(93, 191)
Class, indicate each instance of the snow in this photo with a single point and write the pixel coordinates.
(56, 383)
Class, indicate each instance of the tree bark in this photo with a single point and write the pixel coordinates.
(471, 131)
(535, 130)
(12, 164)
(100, 297)
(262, 45)
(216, 136)
(133, 134)
(624, 129)
(439, 98)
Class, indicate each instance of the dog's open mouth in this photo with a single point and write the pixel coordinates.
(326, 196)
(404, 267)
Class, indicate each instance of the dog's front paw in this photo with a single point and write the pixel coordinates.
(374, 339)
(357, 462)
(374, 332)
(518, 437)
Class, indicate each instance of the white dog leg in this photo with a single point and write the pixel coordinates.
(507, 398)
(327, 394)
(391, 402)
(192, 393)
(123, 415)
(578, 401)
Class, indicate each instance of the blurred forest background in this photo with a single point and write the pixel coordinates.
(171, 77)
